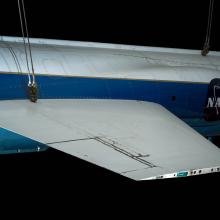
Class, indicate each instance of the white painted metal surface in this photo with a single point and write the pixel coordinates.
(139, 140)
(84, 59)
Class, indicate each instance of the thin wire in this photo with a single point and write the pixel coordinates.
(22, 29)
(211, 17)
(29, 45)
(209, 27)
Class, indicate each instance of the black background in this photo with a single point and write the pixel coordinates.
(178, 24)
(167, 23)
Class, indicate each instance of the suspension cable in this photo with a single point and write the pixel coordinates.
(24, 42)
(29, 45)
(32, 86)
(206, 46)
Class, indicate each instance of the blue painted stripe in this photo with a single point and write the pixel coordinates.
(189, 97)
(11, 142)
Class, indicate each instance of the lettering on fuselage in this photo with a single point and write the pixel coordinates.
(213, 103)
(212, 106)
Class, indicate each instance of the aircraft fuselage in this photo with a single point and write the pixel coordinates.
(118, 74)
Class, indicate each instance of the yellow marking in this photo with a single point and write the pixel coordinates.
(101, 77)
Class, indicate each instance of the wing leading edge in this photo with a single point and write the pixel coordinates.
(140, 140)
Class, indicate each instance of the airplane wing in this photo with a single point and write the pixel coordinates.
(139, 140)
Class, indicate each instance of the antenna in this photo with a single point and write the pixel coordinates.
(32, 86)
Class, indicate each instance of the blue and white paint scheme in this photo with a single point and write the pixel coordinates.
(85, 73)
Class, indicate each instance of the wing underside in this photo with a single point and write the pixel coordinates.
(140, 140)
